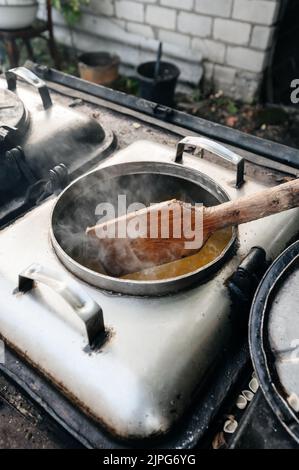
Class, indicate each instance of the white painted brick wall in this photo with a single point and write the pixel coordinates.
(179, 4)
(212, 50)
(161, 17)
(196, 25)
(256, 11)
(235, 32)
(104, 7)
(225, 74)
(261, 37)
(128, 10)
(140, 29)
(232, 36)
(246, 59)
(178, 39)
(214, 7)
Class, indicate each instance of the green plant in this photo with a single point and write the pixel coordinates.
(196, 95)
(70, 9)
(231, 107)
(127, 85)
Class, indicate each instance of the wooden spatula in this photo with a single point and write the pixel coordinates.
(154, 246)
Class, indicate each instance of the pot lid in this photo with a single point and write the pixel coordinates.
(274, 338)
(12, 115)
(283, 331)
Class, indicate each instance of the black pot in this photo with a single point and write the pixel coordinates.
(273, 336)
(160, 90)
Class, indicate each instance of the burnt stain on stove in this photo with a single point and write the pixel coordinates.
(97, 347)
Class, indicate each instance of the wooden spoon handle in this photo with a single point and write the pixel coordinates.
(245, 209)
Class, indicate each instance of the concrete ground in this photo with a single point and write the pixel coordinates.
(24, 426)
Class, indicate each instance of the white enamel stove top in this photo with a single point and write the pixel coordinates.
(160, 350)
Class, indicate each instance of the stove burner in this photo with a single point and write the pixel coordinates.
(41, 145)
(13, 116)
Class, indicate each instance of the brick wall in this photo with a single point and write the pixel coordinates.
(230, 38)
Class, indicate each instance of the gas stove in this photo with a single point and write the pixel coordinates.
(43, 145)
(157, 362)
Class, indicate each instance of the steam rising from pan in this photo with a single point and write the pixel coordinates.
(145, 182)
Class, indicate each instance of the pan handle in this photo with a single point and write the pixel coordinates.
(84, 306)
(215, 148)
(29, 77)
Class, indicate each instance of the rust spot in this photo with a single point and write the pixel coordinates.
(62, 388)
(76, 401)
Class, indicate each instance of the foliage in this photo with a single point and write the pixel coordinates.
(231, 107)
(70, 9)
(221, 101)
(127, 85)
(196, 95)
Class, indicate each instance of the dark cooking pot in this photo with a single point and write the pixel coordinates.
(274, 338)
(145, 182)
